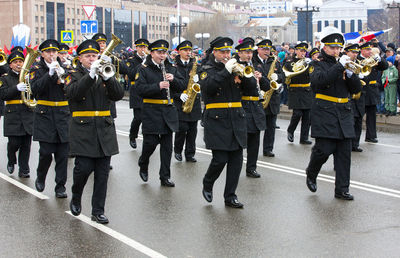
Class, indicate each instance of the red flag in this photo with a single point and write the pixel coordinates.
(6, 50)
(386, 82)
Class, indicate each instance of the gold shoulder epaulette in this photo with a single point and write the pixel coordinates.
(144, 65)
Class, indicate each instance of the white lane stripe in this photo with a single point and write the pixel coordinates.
(300, 172)
(120, 237)
(23, 187)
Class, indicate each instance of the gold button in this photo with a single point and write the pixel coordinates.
(96, 113)
(216, 116)
(81, 121)
(83, 98)
(229, 104)
(41, 112)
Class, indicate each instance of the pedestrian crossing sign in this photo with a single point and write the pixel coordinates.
(67, 36)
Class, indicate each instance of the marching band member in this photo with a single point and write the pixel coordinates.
(92, 134)
(187, 121)
(64, 57)
(358, 105)
(371, 90)
(224, 119)
(51, 116)
(263, 62)
(255, 116)
(155, 79)
(18, 118)
(135, 101)
(331, 114)
(300, 96)
(314, 54)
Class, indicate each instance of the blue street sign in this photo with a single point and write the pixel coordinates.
(89, 27)
(67, 36)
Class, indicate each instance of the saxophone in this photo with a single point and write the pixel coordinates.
(192, 90)
(273, 85)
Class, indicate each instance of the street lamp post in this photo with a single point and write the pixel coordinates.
(306, 7)
(202, 36)
(392, 4)
(179, 23)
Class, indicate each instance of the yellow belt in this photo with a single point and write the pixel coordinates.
(91, 113)
(15, 101)
(52, 103)
(300, 85)
(133, 83)
(224, 105)
(332, 99)
(252, 98)
(157, 101)
(372, 82)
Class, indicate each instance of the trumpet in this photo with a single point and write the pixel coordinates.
(364, 70)
(60, 71)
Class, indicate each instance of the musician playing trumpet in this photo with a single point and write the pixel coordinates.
(299, 94)
(255, 115)
(92, 134)
(52, 116)
(156, 81)
(18, 118)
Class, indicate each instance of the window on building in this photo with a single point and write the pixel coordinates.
(73, 21)
(60, 19)
(352, 26)
(326, 23)
(336, 23)
(42, 30)
(42, 19)
(69, 10)
(360, 25)
(68, 21)
(319, 26)
(41, 8)
(343, 26)
(50, 20)
(36, 19)
(77, 11)
(36, 30)
(78, 22)
(99, 17)
(36, 8)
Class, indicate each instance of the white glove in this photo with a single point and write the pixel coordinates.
(230, 64)
(106, 78)
(22, 86)
(67, 62)
(274, 77)
(105, 58)
(349, 73)
(308, 60)
(360, 76)
(184, 97)
(52, 68)
(344, 60)
(377, 58)
(94, 68)
(60, 71)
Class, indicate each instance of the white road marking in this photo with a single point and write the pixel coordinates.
(301, 172)
(23, 187)
(120, 237)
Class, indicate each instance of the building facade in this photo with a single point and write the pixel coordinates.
(126, 19)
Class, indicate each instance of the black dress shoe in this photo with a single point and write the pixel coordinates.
(167, 183)
(10, 168)
(39, 185)
(144, 175)
(374, 140)
(178, 156)
(23, 174)
(356, 149)
(234, 203)
(311, 184)
(344, 196)
(290, 137)
(306, 142)
(277, 127)
(111, 167)
(268, 154)
(100, 218)
(61, 195)
(253, 174)
(191, 159)
(75, 207)
(208, 195)
(132, 142)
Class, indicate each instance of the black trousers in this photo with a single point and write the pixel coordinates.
(150, 142)
(135, 124)
(341, 150)
(304, 115)
(23, 145)
(188, 132)
(269, 133)
(370, 112)
(60, 151)
(84, 166)
(220, 158)
(357, 128)
(253, 146)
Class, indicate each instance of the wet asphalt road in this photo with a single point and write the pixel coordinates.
(281, 217)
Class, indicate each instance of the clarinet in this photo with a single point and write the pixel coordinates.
(164, 73)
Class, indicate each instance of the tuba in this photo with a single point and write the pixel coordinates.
(29, 60)
(273, 85)
(299, 67)
(107, 69)
(192, 90)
